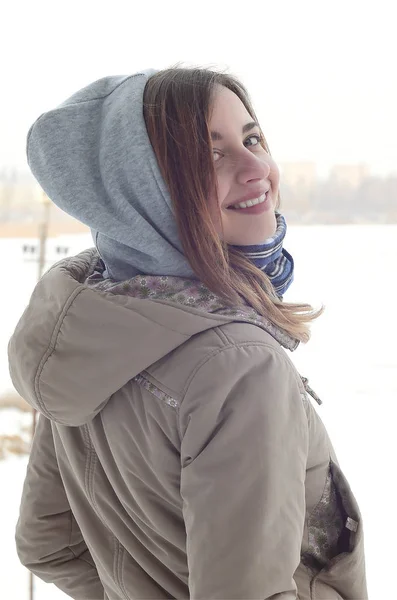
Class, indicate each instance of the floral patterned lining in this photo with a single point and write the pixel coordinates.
(325, 525)
(153, 389)
(188, 292)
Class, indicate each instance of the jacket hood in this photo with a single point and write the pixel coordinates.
(93, 158)
(75, 346)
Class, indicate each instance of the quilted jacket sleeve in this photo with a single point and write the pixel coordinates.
(244, 454)
(49, 541)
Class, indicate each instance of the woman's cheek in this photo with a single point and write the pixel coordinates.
(275, 174)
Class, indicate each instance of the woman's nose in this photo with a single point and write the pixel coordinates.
(251, 168)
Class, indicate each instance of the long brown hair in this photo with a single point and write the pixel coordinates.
(177, 106)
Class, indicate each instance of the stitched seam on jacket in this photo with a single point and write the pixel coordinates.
(156, 391)
(87, 460)
(117, 567)
(222, 335)
(90, 464)
(51, 348)
(91, 472)
(115, 559)
(217, 351)
(159, 384)
(121, 570)
(152, 319)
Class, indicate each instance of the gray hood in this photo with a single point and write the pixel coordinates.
(93, 158)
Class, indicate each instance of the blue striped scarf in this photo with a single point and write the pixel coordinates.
(273, 259)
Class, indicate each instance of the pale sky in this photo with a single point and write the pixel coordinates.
(322, 75)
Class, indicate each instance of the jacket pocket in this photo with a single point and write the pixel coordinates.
(344, 572)
(325, 527)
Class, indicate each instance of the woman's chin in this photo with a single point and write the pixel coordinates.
(255, 238)
(251, 231)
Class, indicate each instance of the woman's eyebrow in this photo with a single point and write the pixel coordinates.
(216, 136)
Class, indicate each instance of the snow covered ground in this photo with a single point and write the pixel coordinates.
(351, 362)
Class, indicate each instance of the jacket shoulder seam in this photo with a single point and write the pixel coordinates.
(51, 347)
(217, 351)
(222, 335)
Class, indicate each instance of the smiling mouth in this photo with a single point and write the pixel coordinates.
(249, 203)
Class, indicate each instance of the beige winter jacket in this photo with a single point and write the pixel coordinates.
(177, 454)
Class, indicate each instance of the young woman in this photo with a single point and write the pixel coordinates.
(177, 454)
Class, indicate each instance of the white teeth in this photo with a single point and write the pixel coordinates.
(251, 202)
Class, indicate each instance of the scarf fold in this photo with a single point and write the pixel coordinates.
(273, 259)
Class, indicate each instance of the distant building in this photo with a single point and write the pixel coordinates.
(301, 174)
(350, 175)
(297, 183)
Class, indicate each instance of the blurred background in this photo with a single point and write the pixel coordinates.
(323, 82)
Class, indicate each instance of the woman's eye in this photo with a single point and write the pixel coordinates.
(253, 137)
(251, 141)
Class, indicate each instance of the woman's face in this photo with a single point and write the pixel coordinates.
(245, 173)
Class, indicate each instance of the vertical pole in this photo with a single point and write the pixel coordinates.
(42, 241)
(43, 234)
(31, 586)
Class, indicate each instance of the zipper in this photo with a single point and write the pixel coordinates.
(310, 391)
